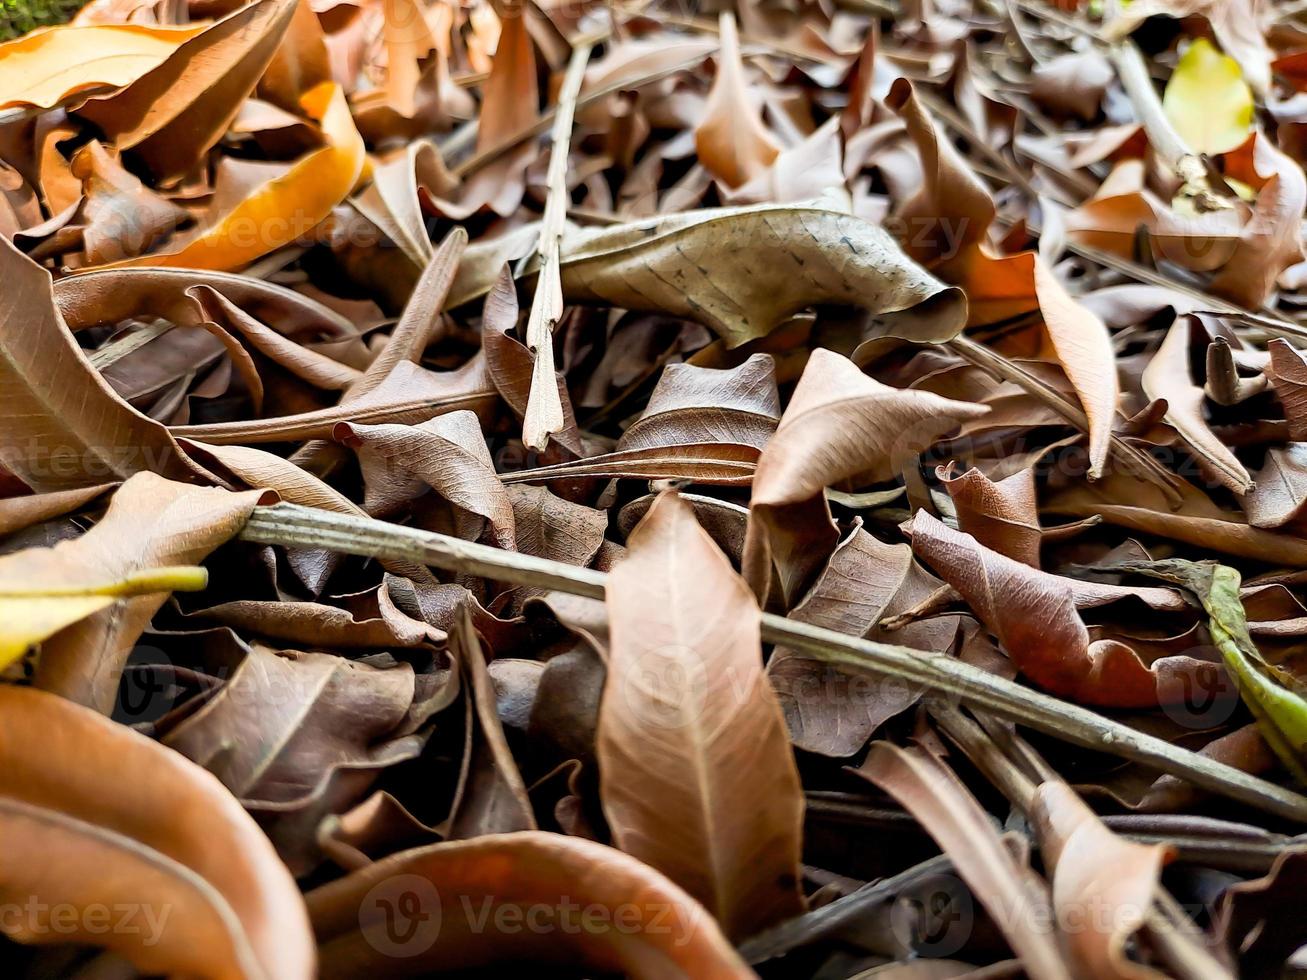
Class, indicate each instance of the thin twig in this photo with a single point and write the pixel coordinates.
(544, 407)
(1131, 459)
(304, 527)
(1163, 137)
(816, 925)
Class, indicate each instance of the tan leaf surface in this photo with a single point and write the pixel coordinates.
(223, 903)
(697, 776)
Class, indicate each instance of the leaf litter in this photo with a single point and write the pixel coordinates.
(778, 489)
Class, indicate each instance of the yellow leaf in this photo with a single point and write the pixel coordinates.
(277, 212)
(30, 615)
(45, 68)
(1207, 100)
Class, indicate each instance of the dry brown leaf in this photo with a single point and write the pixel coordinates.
(66, 428)
(170, 117)
(151, 523)
(703, 266)
(701, 424)
(1280, 488)
(409, 394)
(1002, 516)
(1197, 521)
(932, 793)
(507, 875)
(1034, 616)
(731, 140)
(1288, 376)
(284, 723)
(696, 774)
(448, 454)
(833, 712)
(17, 513)
(1271, 240)
(213, 897)
(839, 424)
(1103, 886)
(548, 526)
(1167, 376)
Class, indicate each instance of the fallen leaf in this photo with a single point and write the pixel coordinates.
(171, 116)
(1033, 614)
(702, 266)
(283, 723)
(1207, 100)
(84, 59)
(505, 875)
(282, 209)
(1276, 698)
(839, 423)
(934, 795)
(222, 904)
(151, 524)
(1095, 869)
(67, 428)
(686, 697)
(833, 712)
(447, 454)
(731, 140)
(1167, 376)
(1003, 516)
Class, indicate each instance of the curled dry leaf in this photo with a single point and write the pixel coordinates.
(66, 427)
(948, 220)
(297, 736)
(278, 211)
(703, 265)
(696, 774)
(1271, 240)
(218, 901)
(1280, 490)
(833, 712)
(1033, 614)
(446, 453)
(1094, 869)
(1003, 516)
(1198, 521)
(1167, 376)
(409, 394)
(88, 58)
(17, 513)
(702, 424)
(151, 524)
(504, 876)
(839, 424)
(934, 795)
(170, 117)
(731, 140)
(1288, 375)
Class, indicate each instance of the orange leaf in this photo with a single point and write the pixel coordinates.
(45, 68)
(279, 211)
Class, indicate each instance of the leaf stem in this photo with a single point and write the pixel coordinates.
(290, 525)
